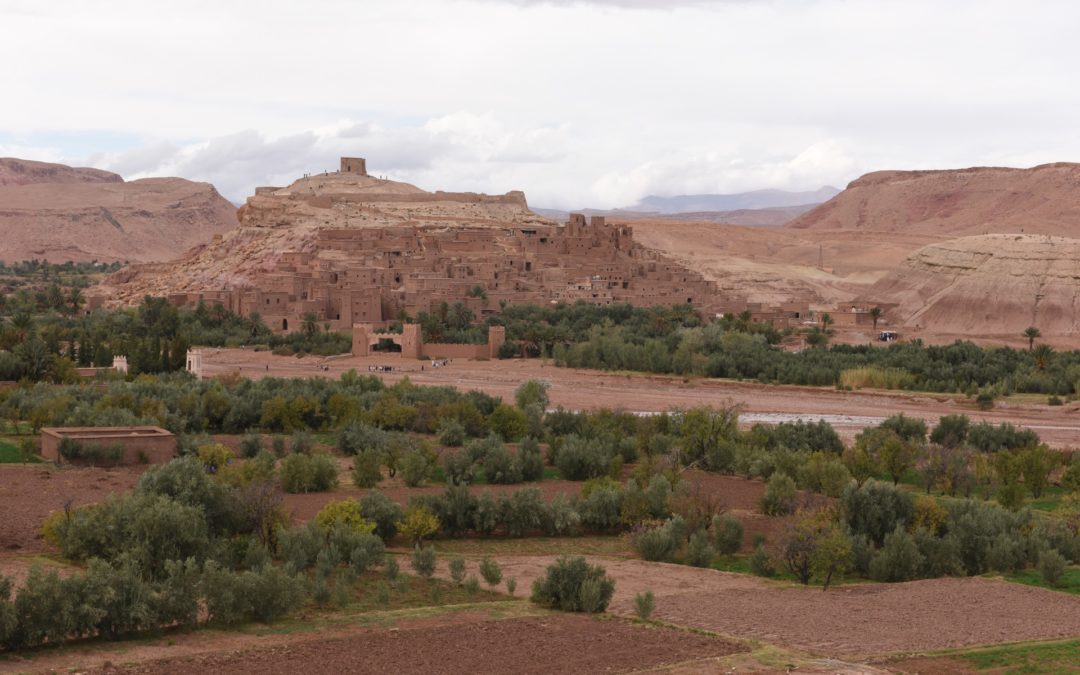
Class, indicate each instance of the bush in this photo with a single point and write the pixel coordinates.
(644, 603)
(457, 570)
(490, 570)
(530, 461)
(657, 543)
(416, 468)
(699, 552)
(451, 433)
(523, 511)
(302, 442)
(419, 523)
(601, 510)
(876, 509)
(501, 467)
(366, 469)
(951, 431)
(572, 585)
(509, 423)
(761, 563)
(472, 586)
(781, 496)
(384, 511)
(347, 513)
(581, 459)
(459, 468)
(251, 445)
(1051, 567)
(308, 473)
(728, 534)
(899, 558)
(511, 585)
(423, 561)
(358, 438)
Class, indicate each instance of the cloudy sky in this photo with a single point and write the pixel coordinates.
(579, 103)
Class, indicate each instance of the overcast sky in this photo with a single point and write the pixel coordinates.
(578, 103)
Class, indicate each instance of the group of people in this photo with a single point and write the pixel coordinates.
(380, 369)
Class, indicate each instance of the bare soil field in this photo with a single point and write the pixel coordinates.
(30, 493)
(848, 411)
(552, 643)
(853, 622)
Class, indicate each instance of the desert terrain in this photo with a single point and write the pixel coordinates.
(59, 213)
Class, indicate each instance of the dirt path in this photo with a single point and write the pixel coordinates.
(853, 622)
(587, 389)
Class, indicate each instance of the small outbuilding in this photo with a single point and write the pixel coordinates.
(108, 445)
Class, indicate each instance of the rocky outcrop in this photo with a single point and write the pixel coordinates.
(989, 285)
(955, 203)
(59, 213)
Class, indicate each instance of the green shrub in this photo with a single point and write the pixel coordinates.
(509, 423)
(728, 534)
(644, 603)
(415, 468)
(657, 543)
(500, 466)
(761, 563)
(781, 496)
(308, 473)
(487, 515)
(1051, 567)
(391, 568)
(572, 585)
(457, 570)
(951, 431)
(562, 518)
(384, 511)
(358, 438)
(876, 509)
(251, 445)
(490, 571)
(458, 468)
(472, 586)
(899, 558)
(523, 511)
(302, 442)
(581, 459)
(366, 469)
(530, 461)
(511, 585)
(699, 552)
(601, 510)
(423, 561)
(451, 433)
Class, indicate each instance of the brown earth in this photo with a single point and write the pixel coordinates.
(556, 643)
(58, 213)
(848, 411)
(851, 622)
(30, 493)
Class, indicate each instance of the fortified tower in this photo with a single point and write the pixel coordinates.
(354, 165)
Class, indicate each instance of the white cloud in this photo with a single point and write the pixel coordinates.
(578, 103)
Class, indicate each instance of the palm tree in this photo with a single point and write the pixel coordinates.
(310, 324)
(75, 300)
(1042, 355)
(826, 321)
(1031, 333)
(875, 314)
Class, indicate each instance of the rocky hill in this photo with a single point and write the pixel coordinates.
(58, 213)
(989, 285)
(349, 248)
(986, 200)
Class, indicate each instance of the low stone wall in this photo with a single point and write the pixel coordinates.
(152, 445)
(439, 350)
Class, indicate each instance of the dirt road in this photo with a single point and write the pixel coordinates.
(576, 389)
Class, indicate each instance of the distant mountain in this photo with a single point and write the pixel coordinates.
(772, 217)
(756, 199)
(760, 208)
(58, 213)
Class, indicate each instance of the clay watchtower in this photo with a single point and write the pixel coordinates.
(354, 165)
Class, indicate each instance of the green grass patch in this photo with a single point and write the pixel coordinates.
(1069, 582)
(1040, 657)
(11, 454)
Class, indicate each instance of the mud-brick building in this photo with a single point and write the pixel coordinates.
(136, 445)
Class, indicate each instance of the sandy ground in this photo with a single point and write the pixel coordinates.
(849, 412)
(851, 622)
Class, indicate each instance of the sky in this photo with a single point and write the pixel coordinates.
(578, 103)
